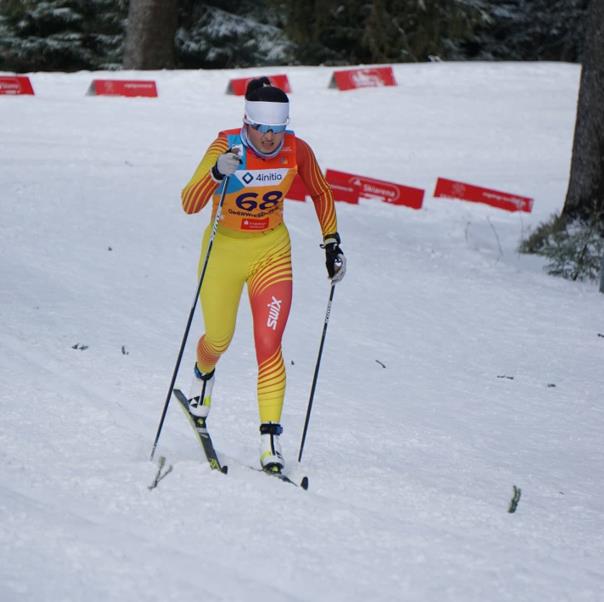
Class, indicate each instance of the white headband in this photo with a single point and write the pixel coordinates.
(267, 113)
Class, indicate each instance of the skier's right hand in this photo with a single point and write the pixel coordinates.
(227, 164)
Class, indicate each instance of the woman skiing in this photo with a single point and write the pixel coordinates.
(257, 163)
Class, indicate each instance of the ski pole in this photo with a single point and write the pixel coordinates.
(316, 376)
(191, 314)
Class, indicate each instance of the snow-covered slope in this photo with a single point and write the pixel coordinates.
(454, 368)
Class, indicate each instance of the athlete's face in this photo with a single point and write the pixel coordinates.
(265, 142)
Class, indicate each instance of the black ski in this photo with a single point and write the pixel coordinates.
(203, 436)
(303, 483)
(282, 477)
(204, 439)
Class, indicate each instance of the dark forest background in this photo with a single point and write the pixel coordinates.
(68, 35)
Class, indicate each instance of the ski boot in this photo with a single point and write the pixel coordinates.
(271, 458)
(200, 396)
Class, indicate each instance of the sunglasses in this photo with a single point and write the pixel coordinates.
(263, 128)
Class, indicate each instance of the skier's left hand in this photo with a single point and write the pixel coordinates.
(335, 261)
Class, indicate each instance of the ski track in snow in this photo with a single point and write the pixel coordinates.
(492, 372)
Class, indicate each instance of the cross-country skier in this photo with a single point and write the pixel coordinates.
(259, 162)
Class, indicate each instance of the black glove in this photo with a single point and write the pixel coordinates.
(335, 262)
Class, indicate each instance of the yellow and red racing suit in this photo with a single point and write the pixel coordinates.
(252, 246)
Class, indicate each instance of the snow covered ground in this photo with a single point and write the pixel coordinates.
(454, 368)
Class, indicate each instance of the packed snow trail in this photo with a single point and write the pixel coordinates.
(454, 368)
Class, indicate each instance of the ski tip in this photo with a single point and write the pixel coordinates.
(304, 483)
(224, 470)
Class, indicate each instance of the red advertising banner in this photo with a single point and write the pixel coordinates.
(476, 194)
(123, 87)
(11, 85)
(344, 187)
(389, 192)
(369, 77)
(349, 187)
(239, 86)
(297, 191)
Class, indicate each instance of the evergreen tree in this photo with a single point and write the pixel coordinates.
(531, 30)
(64, 35)
(89, 34)
(377, 31)
(229, 33)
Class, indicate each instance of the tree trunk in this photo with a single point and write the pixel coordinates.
(150, 36)
(585, 196)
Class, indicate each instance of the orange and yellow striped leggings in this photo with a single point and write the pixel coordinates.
(263, 261)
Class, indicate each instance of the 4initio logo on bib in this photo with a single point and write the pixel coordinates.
(261, 177)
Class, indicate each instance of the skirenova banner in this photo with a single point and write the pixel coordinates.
(348, 187)
(344, 185)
